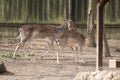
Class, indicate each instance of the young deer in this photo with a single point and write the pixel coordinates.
(44, 32)
(70, 38)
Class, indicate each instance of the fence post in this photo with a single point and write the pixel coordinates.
(99, 29)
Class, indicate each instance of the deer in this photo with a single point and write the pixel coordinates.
(43, 32)
(70, 38)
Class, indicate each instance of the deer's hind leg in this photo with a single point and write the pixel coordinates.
(82, 57)
(25, 49)
(17, 47)
(60, 48)
(76, 53)
(50, 46)
(48, 49)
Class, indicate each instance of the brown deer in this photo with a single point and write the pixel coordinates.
(70, 38)
(44, 32)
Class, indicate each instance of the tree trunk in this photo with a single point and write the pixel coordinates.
(90, 25)
(70, 9)
(106, 50)
(91, 39)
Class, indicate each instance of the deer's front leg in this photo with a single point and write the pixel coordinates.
(76, 53)
(58, 52)
(81, 52)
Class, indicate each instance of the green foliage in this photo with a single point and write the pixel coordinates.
(8, 55)
(32, 54)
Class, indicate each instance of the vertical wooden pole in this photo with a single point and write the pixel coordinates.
(70, 8)
(99, 50)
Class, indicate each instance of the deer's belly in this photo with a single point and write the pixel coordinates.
(41, 35)
(73, 42)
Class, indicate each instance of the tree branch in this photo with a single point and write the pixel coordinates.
(103, 2)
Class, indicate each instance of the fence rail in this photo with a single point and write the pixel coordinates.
(53, 11)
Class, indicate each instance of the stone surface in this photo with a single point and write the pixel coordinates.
(114, 63)
(2, 67)
(98, 75)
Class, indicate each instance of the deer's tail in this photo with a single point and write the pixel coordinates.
(19, 34)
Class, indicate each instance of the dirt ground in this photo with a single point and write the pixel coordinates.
(46, 68)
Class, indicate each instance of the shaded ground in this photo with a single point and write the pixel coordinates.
(46, 68)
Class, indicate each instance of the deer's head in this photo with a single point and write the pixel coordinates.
(69, 24)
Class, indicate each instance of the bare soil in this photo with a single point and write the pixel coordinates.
(46, 68)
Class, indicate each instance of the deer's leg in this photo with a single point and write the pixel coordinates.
(58, 52)
(50, 45)
(47, 50)
(76, 53)
(24, 50)
(82, 58)
(17, 47)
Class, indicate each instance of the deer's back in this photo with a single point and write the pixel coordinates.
(36, 27)
(41, 31)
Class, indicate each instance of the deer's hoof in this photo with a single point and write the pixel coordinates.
(14, 58)
(42, 57)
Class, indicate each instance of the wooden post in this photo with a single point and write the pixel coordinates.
(99, 37)
(99, 49)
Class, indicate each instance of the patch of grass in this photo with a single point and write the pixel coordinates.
(8, 55)
(31, 54)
